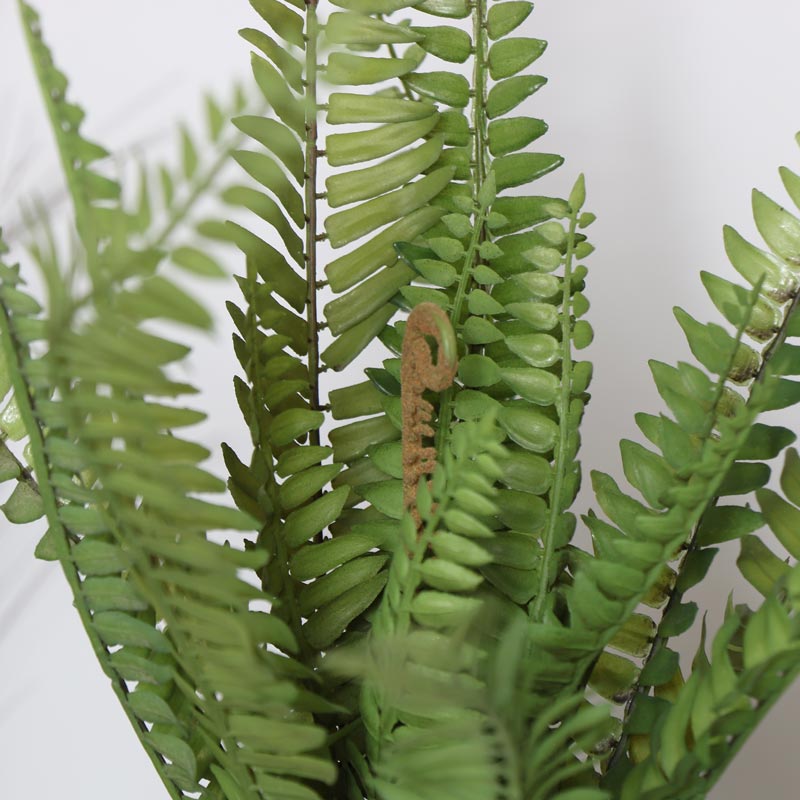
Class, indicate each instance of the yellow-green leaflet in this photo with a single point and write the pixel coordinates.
(346, 226)
(353, 148)
(347, 187)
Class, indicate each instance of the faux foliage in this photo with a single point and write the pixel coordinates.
(408, 617)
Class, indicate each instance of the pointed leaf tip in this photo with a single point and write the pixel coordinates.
(577, 197)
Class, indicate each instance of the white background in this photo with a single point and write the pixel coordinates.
(674, 111)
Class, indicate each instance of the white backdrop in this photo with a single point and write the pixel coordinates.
(674, 111)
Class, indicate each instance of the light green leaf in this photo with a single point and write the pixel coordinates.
(359, 29)
(522, 168)
(285, 22)
(309, 520)
(783, 519)
(529, 428)
(511, 55)
(505, 17)
(535, 385)
(24, 505)
(278, 54)
(294, 424)
(112, 594)
(446, 42)
(754, 265)
(278, 139)
(759, 565)
(448, 576)
(780, 229)
(366, 298)
(348, 187)
(386, 496)
(99, 558)
(346, 69)
(280, 98)
(443, 610)
(116, 627)
(347, 226)
(197, 262)
(476, 370)
(509, 93)
(263, 168)
(536, 349)
(444, 87)
(513, 133)
(353, 341)
(358, 146)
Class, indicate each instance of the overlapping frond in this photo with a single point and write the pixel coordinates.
(754, 659)
(516, 320)
(164, 215)
(24, 503)
(408, 619)
(711, 447)
(446, 703)
(219, 701)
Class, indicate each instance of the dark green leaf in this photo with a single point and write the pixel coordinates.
(723, 523)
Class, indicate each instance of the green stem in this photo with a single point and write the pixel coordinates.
(479, 172)
(198, 187)
(464, 281)
(561, 463)
(273, 532)
(312, 154)
(479, 100)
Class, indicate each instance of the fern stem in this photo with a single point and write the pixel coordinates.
(479, 100)
(479, 172)
(312, 155)
(470, 262)
(273, 531)
(26, 405)
(554, 512)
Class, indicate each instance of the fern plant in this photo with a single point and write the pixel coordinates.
(406, 615)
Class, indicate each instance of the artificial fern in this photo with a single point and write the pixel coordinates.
(409, 616)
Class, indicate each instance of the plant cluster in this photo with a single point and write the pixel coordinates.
(408, 617)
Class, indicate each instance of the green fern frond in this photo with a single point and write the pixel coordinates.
(714, 447)
(754, 659)
(163, 216)
(24, 504)
(96, 568)
(95, 196)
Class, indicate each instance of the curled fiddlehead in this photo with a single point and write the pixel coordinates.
(419, 372)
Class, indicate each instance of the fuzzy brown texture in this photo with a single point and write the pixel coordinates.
(419, 373)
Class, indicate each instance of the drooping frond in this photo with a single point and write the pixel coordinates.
(164, 603)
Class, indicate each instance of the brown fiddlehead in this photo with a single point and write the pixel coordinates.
(427, 327)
